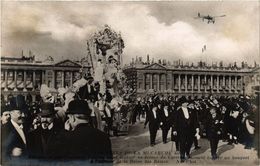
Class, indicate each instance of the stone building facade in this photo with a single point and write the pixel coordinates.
(25, 75)
(189, 79)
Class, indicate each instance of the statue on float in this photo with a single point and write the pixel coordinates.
(104, 50)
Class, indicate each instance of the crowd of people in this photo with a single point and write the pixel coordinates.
(78, 124)
(231, 119)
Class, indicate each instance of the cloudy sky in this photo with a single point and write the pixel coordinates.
(161, 29)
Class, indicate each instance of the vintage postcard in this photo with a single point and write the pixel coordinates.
(123, 83)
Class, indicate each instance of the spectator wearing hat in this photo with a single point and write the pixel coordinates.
(5, 114)
(137, 111)
(34, 110)
(232, 123)
(192, 108)
(9, 98)
(152, 117)
(42, 139)
(185, 127)
(247, 130)
(166, 119)
(148, 105)
(80, 139)
(173, 108)
(213, 130)
(87, 91)
(14, 132)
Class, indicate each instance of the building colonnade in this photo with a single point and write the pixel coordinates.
(186, 82)
(23, 80)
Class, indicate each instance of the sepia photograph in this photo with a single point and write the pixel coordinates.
(130, 83)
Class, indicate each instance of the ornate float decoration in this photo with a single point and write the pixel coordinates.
(104, 52)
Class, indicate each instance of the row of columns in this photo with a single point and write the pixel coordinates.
(63, 78)
(42, 73)
(24, 79)
(210, 83)
(55, 78)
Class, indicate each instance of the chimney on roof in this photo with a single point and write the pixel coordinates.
(221, 64)
(148, 59)
(242, 64)
(164, 62)
(235, 64)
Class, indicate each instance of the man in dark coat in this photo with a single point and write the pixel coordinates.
(166, 122)
(192, 108)
(213, 130)
(87, 91)
(137, 110)
(42, 140)
(246, 129)
(81, 141)
(147, 106)
(152, 117)
(173, 110)
(232, 123)
(186, 127)
(14, 133)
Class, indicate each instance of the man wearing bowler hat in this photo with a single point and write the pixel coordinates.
(81, 140)
(87, 92)
(213, 128)
(185, 127)
(42, 140)
(14, 133)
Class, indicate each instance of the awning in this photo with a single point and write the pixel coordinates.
(11, 84)
(20, 84)
(29, 84)
(3, 84)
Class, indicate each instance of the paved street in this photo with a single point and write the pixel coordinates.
(134, 149)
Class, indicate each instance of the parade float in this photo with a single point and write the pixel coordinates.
(104, 54)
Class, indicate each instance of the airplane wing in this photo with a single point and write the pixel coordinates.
(199, 16)
(219, 16)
